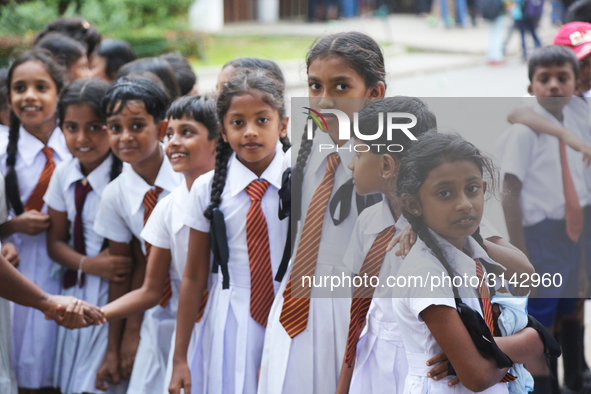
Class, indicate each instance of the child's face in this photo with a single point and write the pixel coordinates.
(189, 148)
(98, 67)
(584, 80)
(451, 200)
(133, 135)
(86, 135)
(252, 128)
(227, 73)
(551, 83)
(332, 84)
(371, 172)
(33, 94)
(80, 70)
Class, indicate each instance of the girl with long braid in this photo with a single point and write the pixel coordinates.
(306, 336)
(35, 146)
(233, 212)
(441, 184)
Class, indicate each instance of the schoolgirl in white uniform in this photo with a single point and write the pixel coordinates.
(73, 198)
(34, 146)
(135, 111)
(242, 196)
(309, 360)
(441, 185)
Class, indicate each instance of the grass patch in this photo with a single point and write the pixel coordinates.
(219, 49)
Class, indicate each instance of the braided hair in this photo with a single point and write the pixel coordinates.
(56, 72)
(430, 151)
(363, 55)
(244, 82)
(91, 93)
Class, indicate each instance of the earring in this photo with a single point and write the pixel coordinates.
(416, 212)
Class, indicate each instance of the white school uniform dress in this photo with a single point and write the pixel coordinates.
(534, 158)
(121, 217)
(410, 301)
(380, 362)
(7, 379)
(311, 361)
(166, 230)
(232, 339)
(33, 337)
(79, 353)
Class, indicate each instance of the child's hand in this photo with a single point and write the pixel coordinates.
(406, 238)
(579, 145)
(181, 378)
(129, 345)
(72, 313)
(105, 265)
(440, 370)
(31, 222)
(108, 371)
(10, 252)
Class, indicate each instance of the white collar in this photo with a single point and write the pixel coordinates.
(458, 260)
(239, 176)
(136, 187)
(317, 157)
(29, 146)
(98, 178)
(179, 206)
(382, 218)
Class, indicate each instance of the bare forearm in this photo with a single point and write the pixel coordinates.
(190, 297)
(16, 287)
(131, 303)
(523, 346)
(63, 254)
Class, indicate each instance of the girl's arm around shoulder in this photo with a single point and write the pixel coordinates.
(476, 372)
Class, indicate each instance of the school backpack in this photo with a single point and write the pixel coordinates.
(491, 9)
(532, 9)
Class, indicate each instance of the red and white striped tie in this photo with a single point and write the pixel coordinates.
(35, 201)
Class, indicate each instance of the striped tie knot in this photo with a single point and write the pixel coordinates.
(256, 190)
(332, 162)
(150, 200)
(35, 200)
(48, 152)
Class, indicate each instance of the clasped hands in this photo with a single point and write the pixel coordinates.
(71, 312)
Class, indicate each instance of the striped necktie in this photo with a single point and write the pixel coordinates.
(259, 254)
(362, 295)
(35, 201)
(572, 208)
(296, 300)
(80, 193)
(487, 308)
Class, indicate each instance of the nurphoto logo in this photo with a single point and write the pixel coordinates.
(392, 125)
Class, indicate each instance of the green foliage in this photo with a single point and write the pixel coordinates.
(18, 19)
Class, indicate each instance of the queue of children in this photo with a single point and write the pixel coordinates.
(195, 253)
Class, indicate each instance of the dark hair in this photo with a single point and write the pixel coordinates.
(150, 76)
(3, 89)
(90, 92)
(552, 55)
(365, 56)
(66, 50)
(430, 151)
(253, 63)
(201, 109)
(116, 53)
(156, 66)
(244, 82)
(76, 28)
(182, 70)
(369, 118)
(579, 11)
(123, 90)
(56, 72)
(359, 50)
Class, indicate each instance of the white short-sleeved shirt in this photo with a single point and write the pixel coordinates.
(534, 158)
(60, 196)
(166, 229)
(235, 204)
(3, 207)
(410, 301)
(582, 111)
(30, 160)
(121, 211)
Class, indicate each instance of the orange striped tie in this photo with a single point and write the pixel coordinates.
(36, 199)
(572, 209)
(296, 305)
(487, 309)
(362, 295)
(259, 254)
